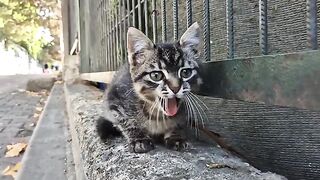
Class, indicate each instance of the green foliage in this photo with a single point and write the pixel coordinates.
(22, 22)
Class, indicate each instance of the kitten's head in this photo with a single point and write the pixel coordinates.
(164, 74)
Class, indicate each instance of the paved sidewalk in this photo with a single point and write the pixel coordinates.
(47, 155)
(15, 82)
(17, 120)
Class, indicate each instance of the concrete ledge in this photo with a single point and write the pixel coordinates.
(111, 160)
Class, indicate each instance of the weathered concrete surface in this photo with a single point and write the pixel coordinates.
(39, 84)
(71, 68)
(46, 156)
(112, 160)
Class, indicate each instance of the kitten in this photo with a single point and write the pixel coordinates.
(147, 97)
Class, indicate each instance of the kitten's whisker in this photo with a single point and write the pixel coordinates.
(198, 107)
(158, 111)
(189, 119)
(199, 100)
(144, 104)
(187, 110)
(194, 116)
(199, 103)
(196, 121)
(163, 116)
(151, 110)
(128, 92)
(154, 106)
(202, 115)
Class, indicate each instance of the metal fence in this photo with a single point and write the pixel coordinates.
(103, 26)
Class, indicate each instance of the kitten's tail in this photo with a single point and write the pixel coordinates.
(106, 129)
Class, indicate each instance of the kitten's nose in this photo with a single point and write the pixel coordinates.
(175, 89)
(174, 84)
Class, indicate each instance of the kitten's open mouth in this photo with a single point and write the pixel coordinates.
(171, 106)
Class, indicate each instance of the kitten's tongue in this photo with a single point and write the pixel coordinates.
(172, 107)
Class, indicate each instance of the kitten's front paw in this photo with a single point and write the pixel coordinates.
(142, 145)
(176, 143)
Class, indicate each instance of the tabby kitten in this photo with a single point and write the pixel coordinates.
(147, 97)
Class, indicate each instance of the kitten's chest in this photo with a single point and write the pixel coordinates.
(158, 123)
(155, 127)
(161, 125)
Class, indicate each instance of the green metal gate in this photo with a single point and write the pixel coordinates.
(261, 57)
(103, 26)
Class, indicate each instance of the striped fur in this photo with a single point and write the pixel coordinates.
(136, 98)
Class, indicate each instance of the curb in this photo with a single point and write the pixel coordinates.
(112, 160)
(78, 162)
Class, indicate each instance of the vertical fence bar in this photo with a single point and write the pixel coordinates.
(114, 57)
(154, 21)
(175, 19)
(97, 32)
(120, 33)
(146, 18)
(312, 24)
(206, 30)
(128, 12)
(125, 28)
(109, 16)
(116, 27)
(189, 12)
(107, 34)
(101, 67)
(102, 35)
(133, 13)
(110, 35)
(164, 20)
(139, 14)
(102, 46)
(98, 41)
(230, 29)
(263, 23)
(99, 37)
(92, 20)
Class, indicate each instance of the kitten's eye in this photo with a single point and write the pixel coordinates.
(186, 73)
(156, 75)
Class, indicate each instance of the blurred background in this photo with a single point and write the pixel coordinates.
(29, 36)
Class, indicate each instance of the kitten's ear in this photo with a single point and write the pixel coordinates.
(138, 45)
(191, 38)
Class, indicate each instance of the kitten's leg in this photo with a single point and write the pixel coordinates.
(139, 141)
(175, 139)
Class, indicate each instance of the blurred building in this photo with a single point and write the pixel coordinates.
(14, 59)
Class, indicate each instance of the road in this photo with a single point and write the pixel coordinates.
(17, 109)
